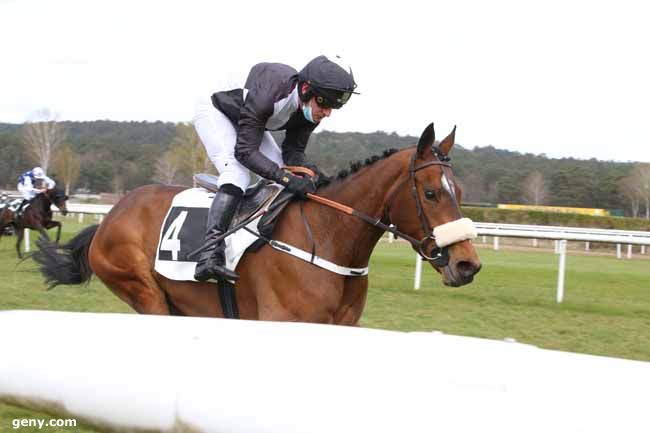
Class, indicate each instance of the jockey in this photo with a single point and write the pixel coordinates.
(234, 128)
(33, 182)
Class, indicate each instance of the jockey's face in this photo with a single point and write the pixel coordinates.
(317, 111)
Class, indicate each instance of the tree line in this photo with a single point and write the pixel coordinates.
(109, 156)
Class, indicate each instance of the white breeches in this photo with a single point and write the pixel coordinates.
(219, 138)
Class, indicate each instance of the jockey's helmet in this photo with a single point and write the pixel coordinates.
(330, 80)
(38, 173)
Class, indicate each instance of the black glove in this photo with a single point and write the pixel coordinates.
(312, 167)
(299, 186)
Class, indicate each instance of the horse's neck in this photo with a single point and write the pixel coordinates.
(41, 202)
(366, 191)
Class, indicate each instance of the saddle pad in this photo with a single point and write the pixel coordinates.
(183, 231)
(15, 204)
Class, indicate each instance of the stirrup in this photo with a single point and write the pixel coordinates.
(209, 270)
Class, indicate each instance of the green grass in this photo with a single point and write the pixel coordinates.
(606, 309)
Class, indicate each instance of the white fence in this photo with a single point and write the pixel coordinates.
(559, 234)
(122, 372)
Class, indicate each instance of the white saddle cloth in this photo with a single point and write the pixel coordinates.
(183, 231)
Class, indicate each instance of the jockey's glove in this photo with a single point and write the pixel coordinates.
(314, 168)
(299, 186)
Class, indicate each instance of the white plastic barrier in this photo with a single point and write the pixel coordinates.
(125, 372)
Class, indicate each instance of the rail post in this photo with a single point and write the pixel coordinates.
(418, 272)
(560, 274)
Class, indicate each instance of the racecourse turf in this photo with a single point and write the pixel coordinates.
(606, 308)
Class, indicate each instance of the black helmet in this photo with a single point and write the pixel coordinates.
(328, 80)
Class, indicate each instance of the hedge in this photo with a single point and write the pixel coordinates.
(494, 215)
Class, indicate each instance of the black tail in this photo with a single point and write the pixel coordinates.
(66, 264)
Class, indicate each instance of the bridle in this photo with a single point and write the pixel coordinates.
(439, 255)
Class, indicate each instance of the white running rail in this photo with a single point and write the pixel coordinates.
(121, 372)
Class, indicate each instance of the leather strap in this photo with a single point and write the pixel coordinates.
(228, 299)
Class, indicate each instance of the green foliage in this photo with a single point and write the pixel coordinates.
(12, 160)
(119, 156)
(114, 155)
(510, 216)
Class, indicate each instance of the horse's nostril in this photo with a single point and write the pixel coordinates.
(468, 269)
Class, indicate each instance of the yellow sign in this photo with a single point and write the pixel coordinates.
(559, 209)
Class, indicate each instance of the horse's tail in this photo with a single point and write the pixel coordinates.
(66, 264)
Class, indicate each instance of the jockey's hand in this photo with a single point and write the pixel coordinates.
(314, 168)
(299, 186)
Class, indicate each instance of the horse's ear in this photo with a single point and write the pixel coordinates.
(427, 139)
(448, 142)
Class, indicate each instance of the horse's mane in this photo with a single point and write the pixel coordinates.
(355, 166)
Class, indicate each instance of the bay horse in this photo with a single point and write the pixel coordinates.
(412, 189)
(37, 215)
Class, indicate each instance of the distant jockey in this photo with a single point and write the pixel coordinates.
(32, 183)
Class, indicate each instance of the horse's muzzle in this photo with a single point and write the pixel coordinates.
(461, 272)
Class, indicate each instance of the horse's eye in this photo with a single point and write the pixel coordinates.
(430, 194)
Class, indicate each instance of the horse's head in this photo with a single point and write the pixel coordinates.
(427, 206)
(58, 198)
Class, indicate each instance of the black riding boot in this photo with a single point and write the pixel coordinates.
(211, 263)
(19, 211)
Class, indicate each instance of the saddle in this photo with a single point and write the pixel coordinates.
(182, 232)
(255, 198)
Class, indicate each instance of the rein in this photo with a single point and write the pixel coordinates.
(440, 256)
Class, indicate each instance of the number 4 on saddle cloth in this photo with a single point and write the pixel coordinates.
(183, 229)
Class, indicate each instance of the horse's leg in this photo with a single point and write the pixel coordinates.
(43, 232)
(20, 233)
(56, 224)
(353, 302)
(197, 299)
(126, 271)
(122, 252)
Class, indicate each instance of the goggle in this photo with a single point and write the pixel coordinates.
(325, 102)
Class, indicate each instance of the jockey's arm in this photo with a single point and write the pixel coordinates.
(254, 114)
(295, 142)
(28, 185)
(48, 183)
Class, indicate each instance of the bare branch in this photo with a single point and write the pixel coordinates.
(67, 165)
(166, 168)
(42, 135)
(534, 189)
